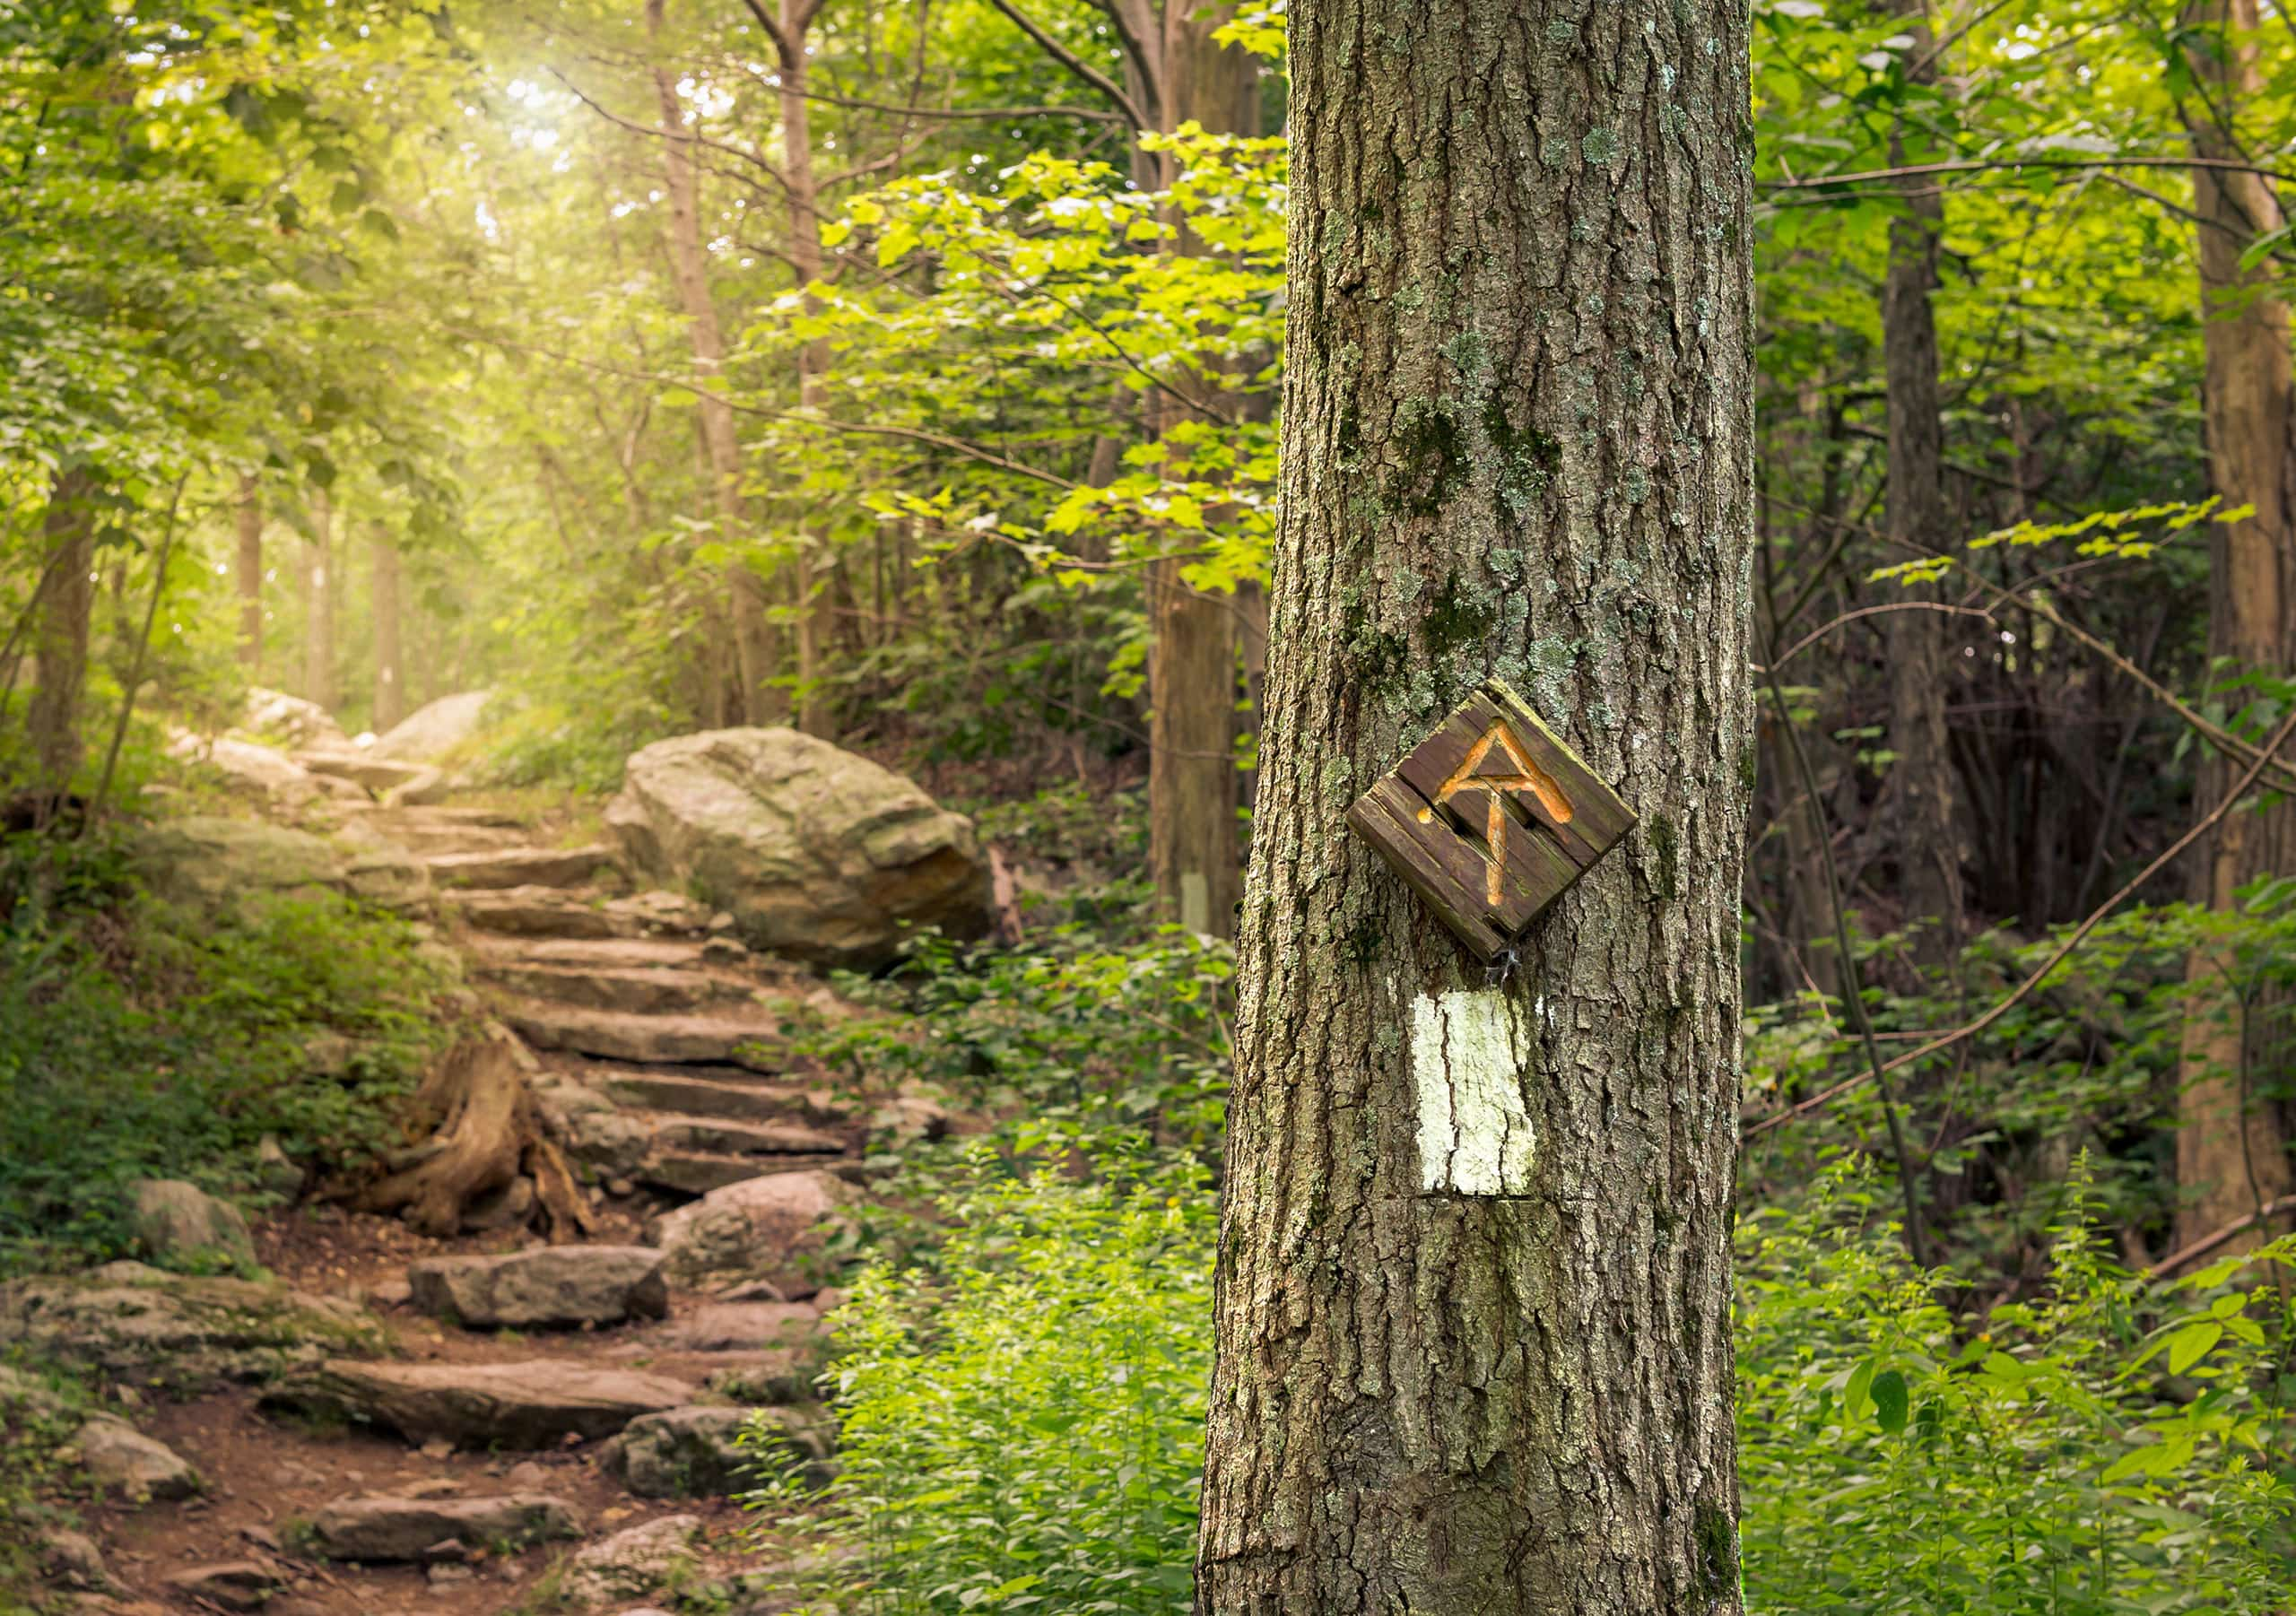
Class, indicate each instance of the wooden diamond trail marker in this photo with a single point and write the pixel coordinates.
(1490, 819)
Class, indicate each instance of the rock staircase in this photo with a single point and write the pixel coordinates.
(645, 1001)
(543, 1394)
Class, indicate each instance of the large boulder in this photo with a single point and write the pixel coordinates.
(135, 1323)
(772, 1228)
(393, 1528)
(816, 853)
(550, 1285)
(430, 732)
(506, 1405)
(183, 1226)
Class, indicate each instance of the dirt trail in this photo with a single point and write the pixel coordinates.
(637, 997)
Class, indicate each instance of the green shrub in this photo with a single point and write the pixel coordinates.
(1071, 1031)
(139, 1040)
(2107, 1449)
(1023, 1429)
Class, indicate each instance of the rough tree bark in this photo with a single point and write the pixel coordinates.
(2231, 1149)
(59, 637)
(318, 603)
(1921, 780)
(390, 661)
(248, 574)
(745, 595)
(1517, 440)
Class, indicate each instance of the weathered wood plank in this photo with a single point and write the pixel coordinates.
(1490, 819)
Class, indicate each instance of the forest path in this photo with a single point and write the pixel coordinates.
(590, 1417)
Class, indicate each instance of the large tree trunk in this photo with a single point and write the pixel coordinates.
(2232, 1150)
(248, 574)
(689, 268)
(1517, 440)
(390, 670)
(1921, 781)
(318, 605)
(1195, 856)
(59, 640)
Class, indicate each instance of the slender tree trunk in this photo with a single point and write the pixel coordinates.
(1194, 853)
(248, 575)
(1518, 440)
(59, 640)
(689, 268)
(318, 605)
(2231, 1149)
(390, 670)
(1921, 780)
(813, 560)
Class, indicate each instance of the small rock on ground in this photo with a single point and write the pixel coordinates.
(122, 1459)
(635, 1561)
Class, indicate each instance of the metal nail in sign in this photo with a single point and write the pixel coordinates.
(1490, 819)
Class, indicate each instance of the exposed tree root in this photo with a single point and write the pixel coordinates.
(477, 1129)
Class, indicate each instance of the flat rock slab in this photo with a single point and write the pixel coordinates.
(520, 868)
(705, 1172)
(536, 912)
(629, 990)
(745, 1138)
(393, 1528)
(601, 953)
(730, 1095)
(533, 1404)
(360, 768)
(752, 1041)
(554, 1285)
(235, 1585)
(739, 1327)
(135, 1323)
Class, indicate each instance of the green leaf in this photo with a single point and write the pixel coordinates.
(1890, 1401)
(2192, 1343)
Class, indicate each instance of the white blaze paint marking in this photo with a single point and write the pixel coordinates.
(1474, 1135)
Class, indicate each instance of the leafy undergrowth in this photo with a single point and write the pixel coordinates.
(40, 1414)
(1022, 1427)
(2115, 1446)
(138, 1040)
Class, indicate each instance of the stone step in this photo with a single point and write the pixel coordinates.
(440, 840)
(673, 1132)
(697, 1172)
(645, 990)
(722, 1094)
(752, 1039)
(597, 953)
(554, 915)
(521, 867)
(533, 1405)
